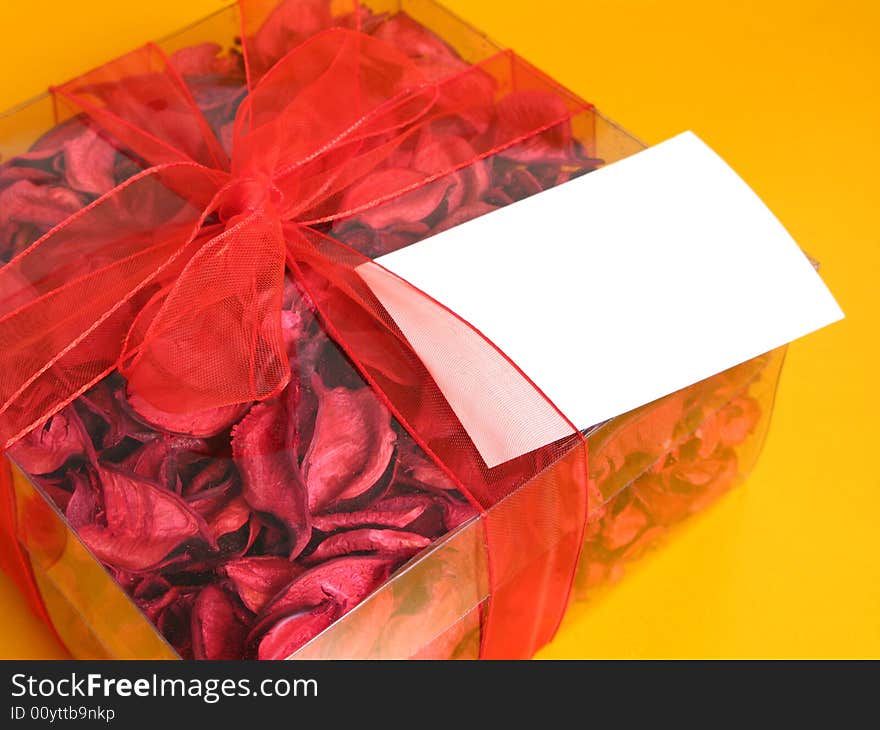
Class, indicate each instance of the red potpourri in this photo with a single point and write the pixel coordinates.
(245, 531)
(659, 465)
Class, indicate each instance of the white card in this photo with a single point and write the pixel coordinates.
(616, 288)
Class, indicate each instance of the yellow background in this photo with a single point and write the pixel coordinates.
(787, 92)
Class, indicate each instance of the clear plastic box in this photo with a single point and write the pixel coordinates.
(649, 469)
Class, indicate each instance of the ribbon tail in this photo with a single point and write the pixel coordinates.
(534, 505)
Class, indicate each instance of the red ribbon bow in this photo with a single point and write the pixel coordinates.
(175, 277)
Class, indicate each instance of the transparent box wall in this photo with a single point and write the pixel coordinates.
(649, 469)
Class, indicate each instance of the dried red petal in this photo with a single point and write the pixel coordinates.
(223, 509)
(42, 205)
(211, 473)
(83, 504)
(272, 483)
(161, 459)
(648, 539)
(175, 622)
(201, 424)
(290, 633)
(48, 447)
(456, 511)
(218, 630)
(107, 417)
(412, 38)
(343, 581)
(397, 512)
(202, 59)
(20, 168)
(154, 594)
(407, 208)
(55, 489)
(351, 448)
(699, 472)
(520, 183)
(145, 523)
(374, 243)
(259, 579)
(738, 419)
(522, 111)
(369, 541)
(445, 151)
(89, 162)
(416, 470)
(624, 526)
(463, 214)
(286, 27)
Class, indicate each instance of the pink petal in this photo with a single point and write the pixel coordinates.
(259, 579)
(397, 512)
(406, 208)
(144, 523)
(290, 633)
(201, 424)
(218, 631)
(271, 480)
(49, 446)
(351, 448)
(393, 543)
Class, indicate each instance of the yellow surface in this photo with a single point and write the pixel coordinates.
(787, 91)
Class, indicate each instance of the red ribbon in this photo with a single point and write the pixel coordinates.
(175, 277)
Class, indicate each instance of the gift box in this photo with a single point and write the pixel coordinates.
(173, 498)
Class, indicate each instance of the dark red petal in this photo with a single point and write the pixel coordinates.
(456, 511)
(216, 472)
(107, 416)
(271, 480)
(175, 623)
(290, 633)
(623, 527)
(462, 214)
(42, 205)
(258, 579)
(19, 169)
(520, 183)
(218, 631)
(286, 27)
(392, 543)
(201, 424)
(351, 448)
(83, 504)
(144, 523)
(56, 490)
(523, 111)
(223, 508)
(48, 447)
(407, 208)
(416, 470)
(438, 152)
(54, 140)
(412, 38)
(161, 459)
(343, 581)
(196, 60)
(89, 163)
(398, 512)
(229, 518)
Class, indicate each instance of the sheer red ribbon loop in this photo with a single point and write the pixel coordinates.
(176, 277)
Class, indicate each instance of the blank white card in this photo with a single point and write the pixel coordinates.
(619, 287)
